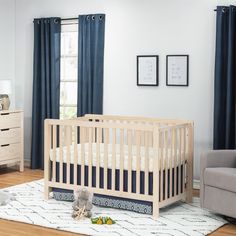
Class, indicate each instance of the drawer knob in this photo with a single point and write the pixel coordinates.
(5, 145)
(4, 130)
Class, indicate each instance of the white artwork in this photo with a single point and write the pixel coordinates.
(177, 70)
(147, 71)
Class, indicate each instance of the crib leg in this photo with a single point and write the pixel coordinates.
(189, 190)
(189, 195)
(155, 210)
(47, 190)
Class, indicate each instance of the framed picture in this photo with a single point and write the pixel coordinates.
(147, 70)
(177, 70)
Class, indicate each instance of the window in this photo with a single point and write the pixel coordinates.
(69, 65)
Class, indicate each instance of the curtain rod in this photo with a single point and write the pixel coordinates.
(70, 18)
(224, 8)
(65, 19)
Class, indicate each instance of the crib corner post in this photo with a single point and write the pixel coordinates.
(189, 190)
(155, 200)
(47, 190)
(155, 209)
(189, 193)
(47, 144)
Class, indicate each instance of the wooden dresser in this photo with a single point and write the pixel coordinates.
(11, 138)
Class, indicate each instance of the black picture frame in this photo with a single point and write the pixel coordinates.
(155, 81)
(186, 80)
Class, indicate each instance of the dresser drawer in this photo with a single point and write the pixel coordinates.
(8, 136)
(12, 151)
(10, 120)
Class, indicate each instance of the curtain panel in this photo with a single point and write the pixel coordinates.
(46, 82)
(90, 64)
(225, 79)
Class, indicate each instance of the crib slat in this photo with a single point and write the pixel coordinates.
(98, 141)
(82, 156)
(61, 153)
(68, 153)
(183, 157)
(171, 160)
(75, 155)
(146, 141)
(113, 158)
(90, 156)
(54, 144)
(138, 162)
(142, 138)
(161, 165)
(93, 134)
(150, 138)
(106, 140)
(175, 162)
(166, 161)
(100, 135)
(179, 159)
(121, 160)
(130, 156)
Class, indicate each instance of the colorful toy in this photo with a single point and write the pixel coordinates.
(102, 220)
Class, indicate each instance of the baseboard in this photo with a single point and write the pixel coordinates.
(27, 163)
(196, 184)
(3, 166)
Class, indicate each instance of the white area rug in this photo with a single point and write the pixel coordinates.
(178, 220)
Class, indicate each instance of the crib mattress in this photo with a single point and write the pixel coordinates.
(142, 153)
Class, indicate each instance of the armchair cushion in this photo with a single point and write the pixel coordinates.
(221, 177)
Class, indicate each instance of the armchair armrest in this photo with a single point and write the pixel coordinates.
(215, 158)
(218, 158)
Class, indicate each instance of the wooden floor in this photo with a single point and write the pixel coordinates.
(10, 177)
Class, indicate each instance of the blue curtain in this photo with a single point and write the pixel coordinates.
(225, 78)
(90, 64)
(46, 82)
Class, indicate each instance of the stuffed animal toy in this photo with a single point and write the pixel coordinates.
(82, 204)
(6, 197)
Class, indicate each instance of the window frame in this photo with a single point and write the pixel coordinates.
(67, 26)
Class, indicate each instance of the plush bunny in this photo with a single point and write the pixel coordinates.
(82, 204)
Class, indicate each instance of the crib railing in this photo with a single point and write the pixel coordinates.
(187, 138)
(69, 165)
(133, 119)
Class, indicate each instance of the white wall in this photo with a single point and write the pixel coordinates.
(7, 44)
(136, 27)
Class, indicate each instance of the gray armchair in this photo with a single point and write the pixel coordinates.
(218, 181)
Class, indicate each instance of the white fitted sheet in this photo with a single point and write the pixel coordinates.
(118, 156)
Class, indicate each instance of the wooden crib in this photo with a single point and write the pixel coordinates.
(100, 144)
